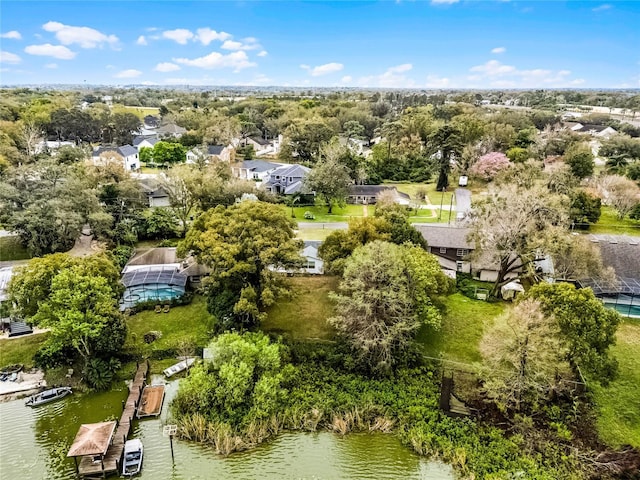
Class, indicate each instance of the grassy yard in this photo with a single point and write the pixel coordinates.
(464, 322)
(304, 315)
(12, 249)
(435, 197)
(315, 233)
(20, 349)
(190, 323)
(610, 224)
(619, 404)
(350, 211)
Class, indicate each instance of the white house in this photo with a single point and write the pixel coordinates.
(48, 146)
(126, 155)
(263, 147)
(145, 141)
(314, 264)
(212, 153)
(256, 170)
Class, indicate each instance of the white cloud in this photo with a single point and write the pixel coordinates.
(166, 67)
(51, 65)
(234, 45)
(131, 73)
(235, 60)
(179, 35)
(325, 69)
(206, 36)
(47, 50)
(493, 68)
(499, 50)
(392, 78)
(496, 74)
(263, 53)
(346, 79)
(443, 2)
(147, 82)
(434, 81)
(13, 35)
(602, 8)
(84, 36)
(141, 40)
(6, 57)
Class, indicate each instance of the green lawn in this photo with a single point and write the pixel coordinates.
(610, 224)
(304, 315)
(463, 325)
(338, 214)
(12, 249)
(20, 349)
(619, 404)
(315, 233)
(190, 323)
(435, 197)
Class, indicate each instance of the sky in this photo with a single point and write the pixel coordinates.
(388, 44)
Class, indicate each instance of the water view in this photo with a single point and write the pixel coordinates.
(34, 443)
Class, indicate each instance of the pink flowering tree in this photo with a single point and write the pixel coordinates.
(489, 165)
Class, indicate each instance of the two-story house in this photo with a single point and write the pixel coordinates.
(450, 245)
(287, 179)
(212, 153)
(126, 155)
(256, 170)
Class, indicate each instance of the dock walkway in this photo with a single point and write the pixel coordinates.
(111, 462)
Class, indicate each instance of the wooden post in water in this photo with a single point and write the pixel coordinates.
(170, 431)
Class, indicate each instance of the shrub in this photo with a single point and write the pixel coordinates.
(152, 336)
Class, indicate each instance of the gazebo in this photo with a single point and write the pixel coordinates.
(92, 440)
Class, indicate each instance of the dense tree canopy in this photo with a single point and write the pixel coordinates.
(385, 295)
(244, 244)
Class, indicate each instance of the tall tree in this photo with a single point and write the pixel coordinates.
(385, 296)
(179, 183)
(244, 245)
(524, 358)
(445, 141)
(329, 179)
(512, 226)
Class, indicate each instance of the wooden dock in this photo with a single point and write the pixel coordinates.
(111, 462)
(151, 401)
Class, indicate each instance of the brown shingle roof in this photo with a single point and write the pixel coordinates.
(449, 237)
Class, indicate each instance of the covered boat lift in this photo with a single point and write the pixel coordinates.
(91, 444)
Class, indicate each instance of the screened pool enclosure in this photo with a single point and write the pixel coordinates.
(153, 283)
(622, 296)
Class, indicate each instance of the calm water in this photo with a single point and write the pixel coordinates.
(34, 443)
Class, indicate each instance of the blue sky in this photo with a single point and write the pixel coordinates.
(421, 44)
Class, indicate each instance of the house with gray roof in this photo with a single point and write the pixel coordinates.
(212, 153)
(126, 155)
(368, 194)
(256, 170)
(287, 179)
(145, 141)
(171, 130)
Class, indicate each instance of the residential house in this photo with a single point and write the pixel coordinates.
(450, 245)
(313, 265)
(5, 277)
(368, 194)
(156, 195)
(257, 170)
(107, 99)
(212, 153)
(126, 155)
(151, 122)
(145, 141)
(261, 146)
(287, 179)
(51, 146)
(599, 131)
(171, 130)
(356, 145)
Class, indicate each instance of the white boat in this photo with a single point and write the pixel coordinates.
(48, 396)
(132, 458)
(179, 367)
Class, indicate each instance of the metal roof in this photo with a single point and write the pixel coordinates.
(154, 275)
(92, 439)
(628, 286)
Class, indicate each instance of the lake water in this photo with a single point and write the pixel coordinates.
(34, 444)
